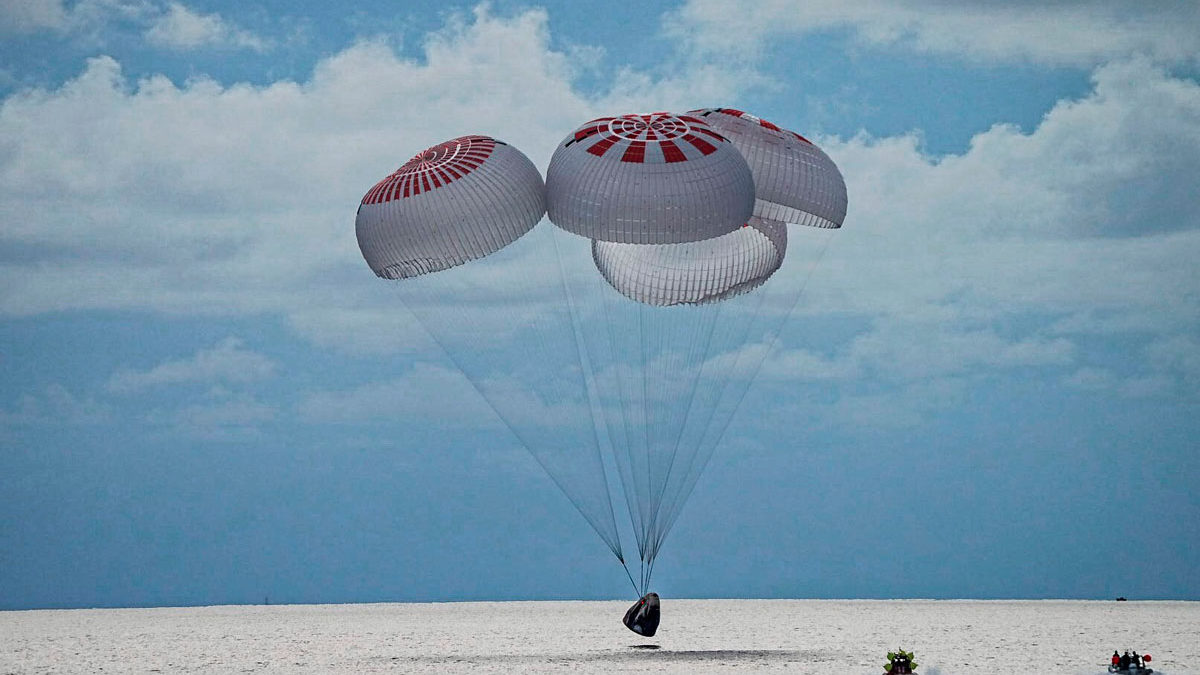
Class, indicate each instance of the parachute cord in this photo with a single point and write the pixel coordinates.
(691, 362)
(620, 452)
(758, 369)
(722, 374)
(585, 369)
(625, 567)
(615, 547)
(642, 545)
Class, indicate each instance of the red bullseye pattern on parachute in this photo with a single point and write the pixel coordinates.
(795, 182)
(653, 137)
(431, 169)
(653, 178)
(450, 204)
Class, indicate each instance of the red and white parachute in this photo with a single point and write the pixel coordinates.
(452, 203)
(614, 342)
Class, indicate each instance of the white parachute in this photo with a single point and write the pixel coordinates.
(709, 270)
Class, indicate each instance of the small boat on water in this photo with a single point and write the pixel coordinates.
(1131, 665)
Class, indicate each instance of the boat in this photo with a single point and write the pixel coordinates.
(1138, 665)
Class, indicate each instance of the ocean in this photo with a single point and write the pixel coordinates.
(949, 637)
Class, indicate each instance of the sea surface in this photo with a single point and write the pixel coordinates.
(950, 637)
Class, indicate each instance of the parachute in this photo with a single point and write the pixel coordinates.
(617, 341)
(794, 181)
(455, 202)
(710, 270)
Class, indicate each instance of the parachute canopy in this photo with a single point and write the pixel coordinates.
(794, 181)
(617, 343)
(650, 178)
(709, 270)
(451, 203)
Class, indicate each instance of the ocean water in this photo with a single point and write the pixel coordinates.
(950, 637)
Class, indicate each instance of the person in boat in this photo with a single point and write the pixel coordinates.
(1136, 661)
(1124, 661)
(1116, 659)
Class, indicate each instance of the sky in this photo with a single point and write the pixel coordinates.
(990, 387)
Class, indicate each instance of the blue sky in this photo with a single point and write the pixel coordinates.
(206, 396)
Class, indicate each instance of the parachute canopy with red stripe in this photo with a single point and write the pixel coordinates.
(794, 181)
(654, 178)
(451, 203)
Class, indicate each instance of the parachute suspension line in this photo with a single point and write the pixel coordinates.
(757, 368)
(625, 567)
(694, 364)
(646, 423)
(520, 438)
(625, 469)
(587, 380)
(737, 336)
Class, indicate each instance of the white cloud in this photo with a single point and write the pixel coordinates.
(218, 416)
(27, 16)
(55, 405)
(1104, 380)
(184, 29)
(1063, 33)
(173, 26)
(906, 406)
(1178, 354)
(1091, 378)
(226, 200)
(235, 411)
(207, 199)
(1088, 216)
(905, 350)
(227, 362)
(426, 393)
(435, 393)
(85, 19)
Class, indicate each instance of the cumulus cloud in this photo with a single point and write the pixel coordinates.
(150, 187)
(428, 392)
(219, 415)
(1094, 379)
(907, 405)
(184, 29)
(1080, 217)
(85, 19)
(907, 350)
(200, 198)
(55, 405)
(27, 16)
(227, 362)
(1074, 33)
(172, 26)
(236, 411)
(1178, 354)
